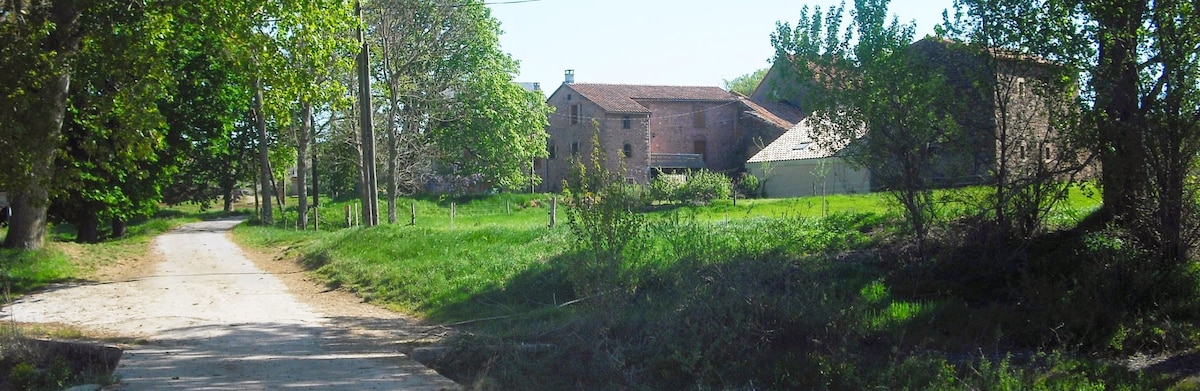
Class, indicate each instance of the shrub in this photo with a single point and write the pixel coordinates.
(665, 188)
(748, 185)
(702, 187)
(604, 223)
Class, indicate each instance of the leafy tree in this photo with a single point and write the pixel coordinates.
(109, 168)
(206, 114)
(449, 97)
(316, 48)
(745, 84)
(1141, 100)
(42, 41)
(876, 96)
(1146, 113)
(1025, 77)
(500, 131)
(415, 41)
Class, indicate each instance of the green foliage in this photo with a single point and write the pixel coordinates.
(25, 270)
(209, 137)
(695, 187)
(503, 130)
(705, 186)
(25, 376)
(666, 188)
(604, 223)
(876, 90)
(730, 297)
(745, 84)
(749, 185)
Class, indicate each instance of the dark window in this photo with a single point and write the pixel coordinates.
(568, 96)
(574, 148)
(574, 114)
(698, 116)
(626, 123)
(553, 151)
(701, 148)
(628, 150)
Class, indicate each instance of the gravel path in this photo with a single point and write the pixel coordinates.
(212, 319)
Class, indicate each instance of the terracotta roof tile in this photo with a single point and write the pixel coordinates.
(623, 98)
(799, 143)
(757, 111)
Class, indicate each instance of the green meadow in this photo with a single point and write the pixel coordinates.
(804, 293)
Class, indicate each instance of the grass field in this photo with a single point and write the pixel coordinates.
(803, 293)
(764, 294)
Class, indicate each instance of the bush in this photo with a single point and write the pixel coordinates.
(665, 188)
(748, 185)
(702, 187)
(602, 218)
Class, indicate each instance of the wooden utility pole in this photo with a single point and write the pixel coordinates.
(370, 197)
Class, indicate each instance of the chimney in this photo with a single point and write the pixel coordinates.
(570, 76)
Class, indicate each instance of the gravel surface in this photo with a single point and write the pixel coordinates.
(209, 317)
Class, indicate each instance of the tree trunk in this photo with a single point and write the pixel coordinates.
(1117, 90)
(316, 188)
(301, 164)
(228, 196)
(27, 226)
(87, 230)
(264, 157)
(392, 156)
(119, 228)
(370, 200)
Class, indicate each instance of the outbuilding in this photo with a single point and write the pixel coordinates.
(797, 165)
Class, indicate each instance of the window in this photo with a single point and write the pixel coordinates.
(700, 147)
(698, 116)
(574, 148)
(626, 123)
(553, 151)
(575, 114)
(628, 150)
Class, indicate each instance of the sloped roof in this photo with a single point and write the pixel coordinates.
(623, 98)
(761, 113)
(798, 143)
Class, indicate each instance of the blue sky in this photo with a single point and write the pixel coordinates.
(659, 42)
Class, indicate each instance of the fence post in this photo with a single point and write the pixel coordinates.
(348, 216)
(413, 221)
(452, 209)
(507, 208)
(553, 211)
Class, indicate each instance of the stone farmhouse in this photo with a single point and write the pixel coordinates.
(795, 165)
(653, 129)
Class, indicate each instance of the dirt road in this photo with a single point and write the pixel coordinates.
(212, 319)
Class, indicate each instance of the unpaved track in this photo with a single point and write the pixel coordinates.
(212, 320)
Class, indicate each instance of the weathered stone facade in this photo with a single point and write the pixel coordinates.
(1005, 129)
(645, 129)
